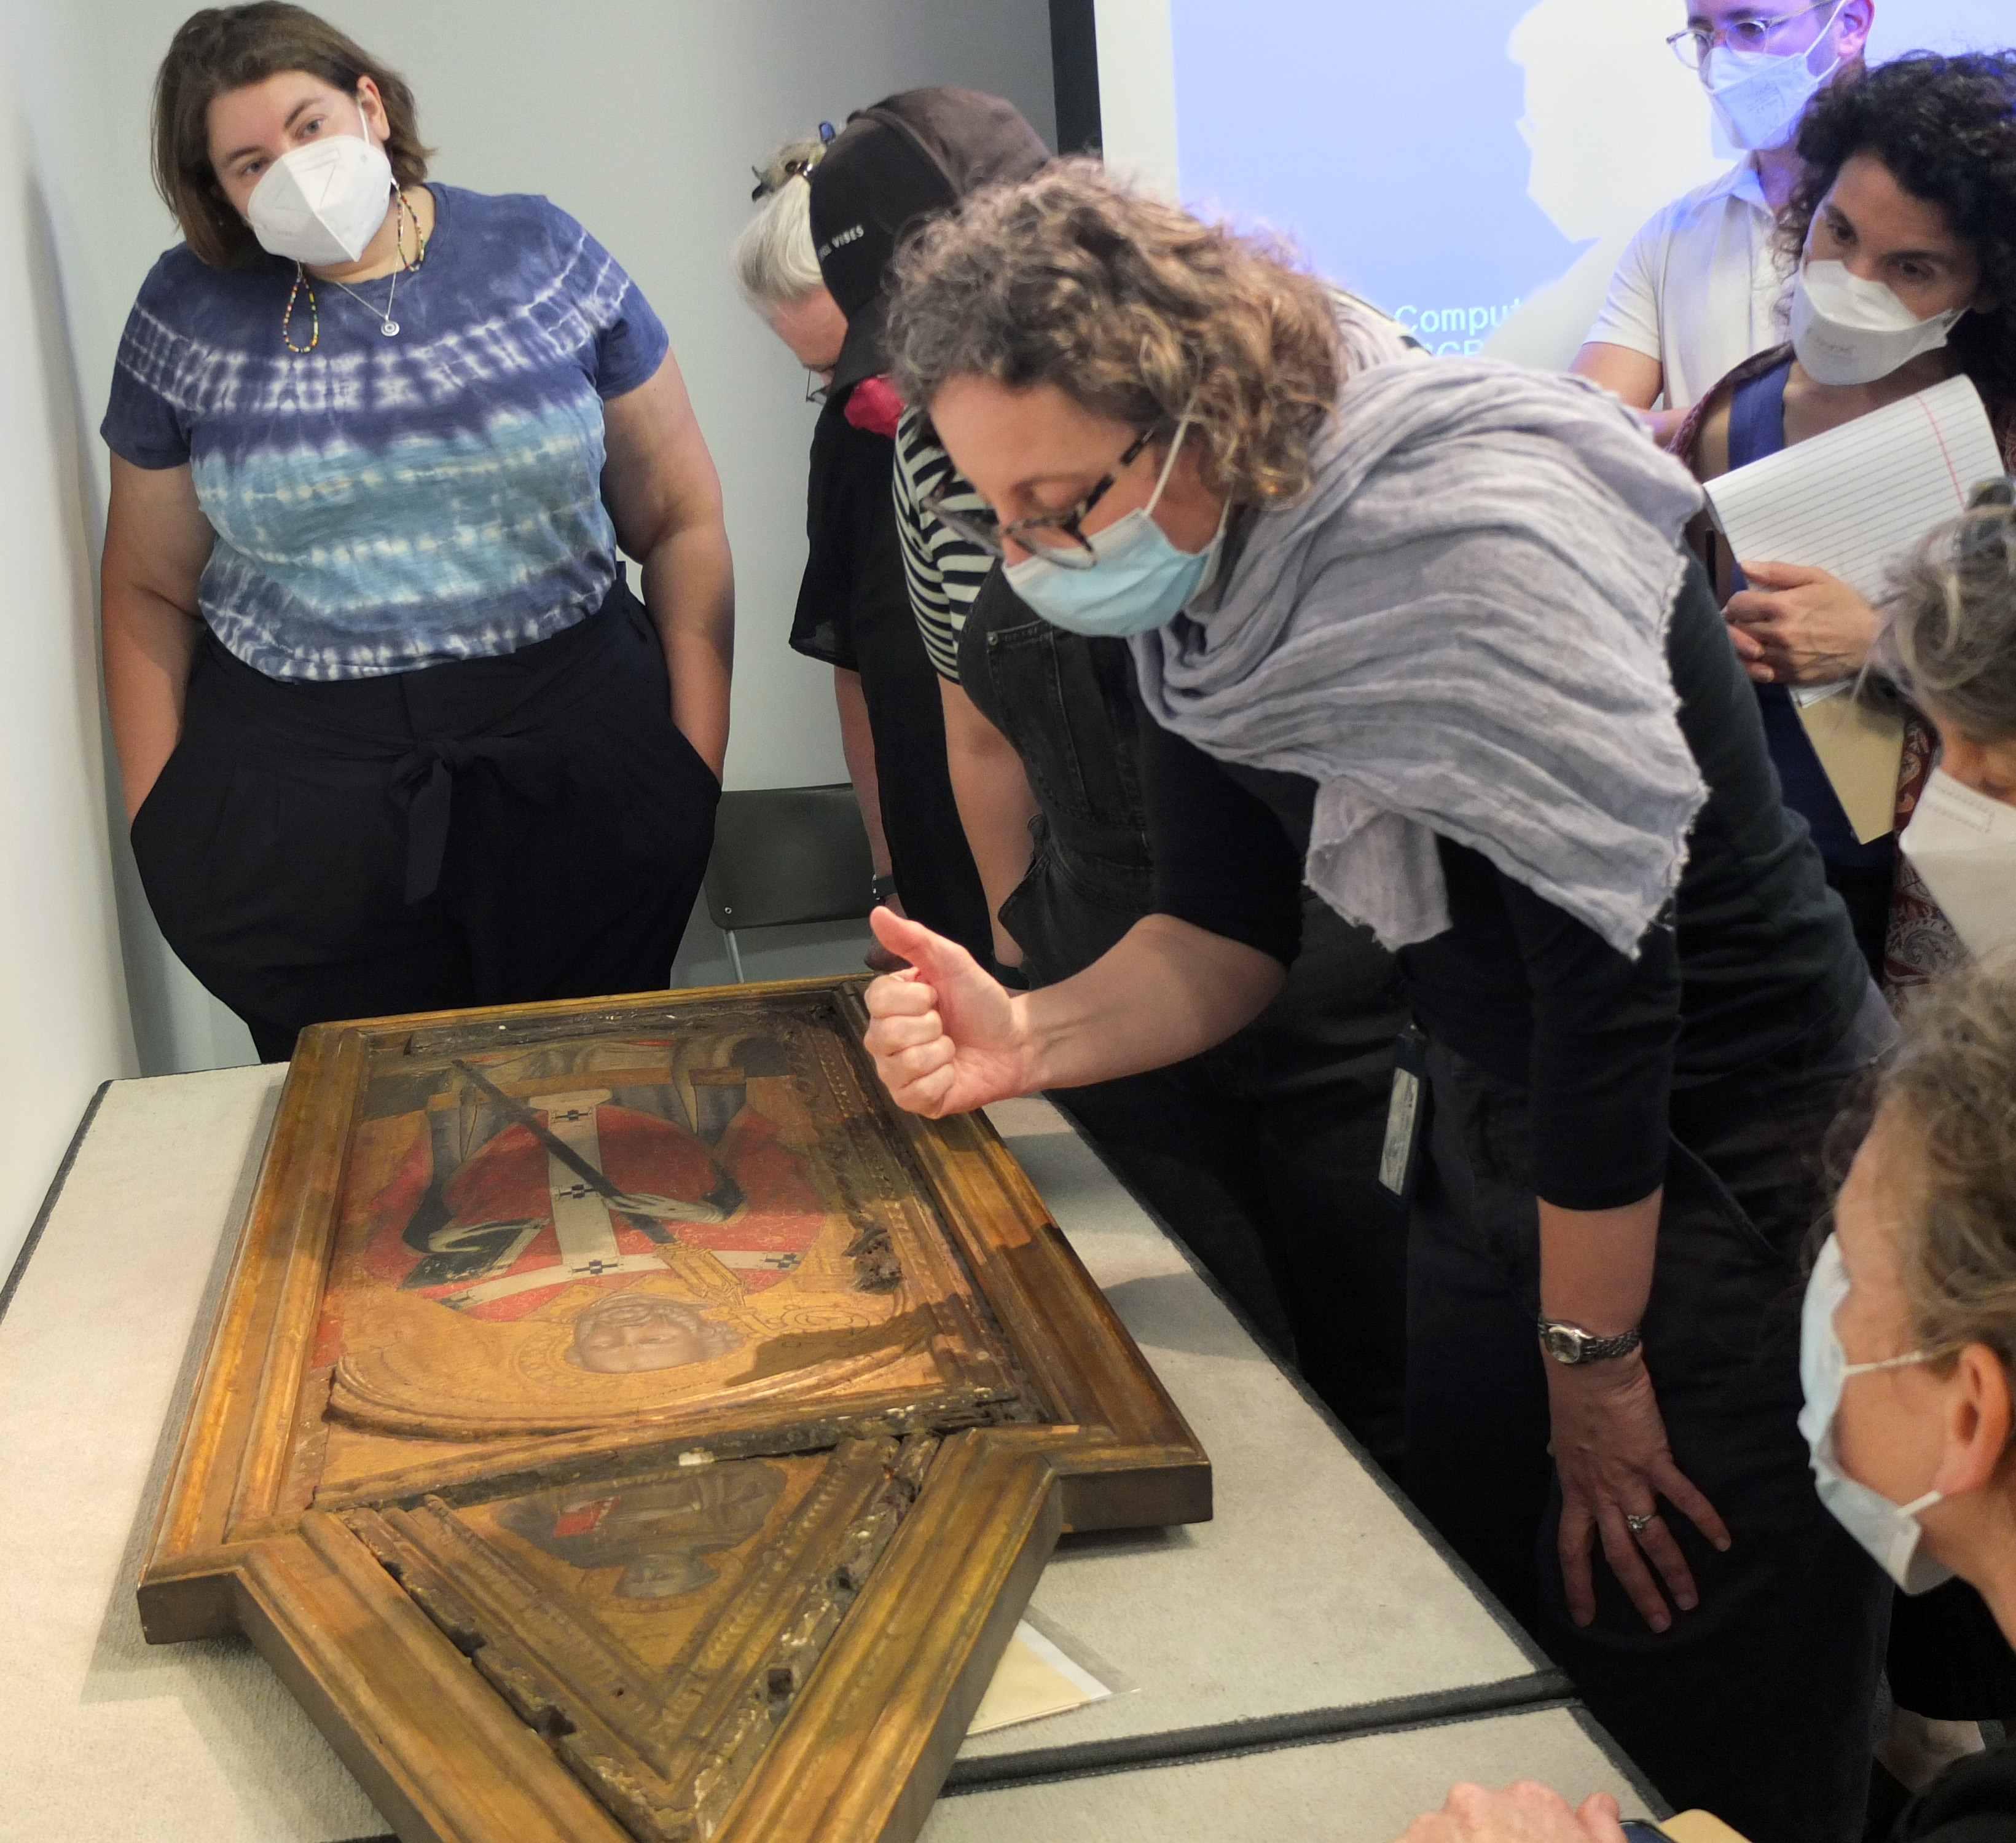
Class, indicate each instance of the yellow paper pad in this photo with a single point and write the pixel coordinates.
(1862, 750)
(1034, 1677)
(1699, 1826)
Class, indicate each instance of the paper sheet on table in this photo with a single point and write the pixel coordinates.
(1862, 750)
(1855, 500)
(1034, 1677)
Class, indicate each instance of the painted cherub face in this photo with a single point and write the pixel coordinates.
(631, 1332)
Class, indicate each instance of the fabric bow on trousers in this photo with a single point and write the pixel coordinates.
(491, 831)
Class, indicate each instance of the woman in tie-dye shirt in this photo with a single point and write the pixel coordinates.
(394, 733)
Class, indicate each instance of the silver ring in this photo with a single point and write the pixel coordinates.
(1636, 1524)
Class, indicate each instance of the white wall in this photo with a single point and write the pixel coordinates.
(641, 117)
(63, 1026)
(1137, 91)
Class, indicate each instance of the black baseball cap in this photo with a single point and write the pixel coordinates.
(893, 164)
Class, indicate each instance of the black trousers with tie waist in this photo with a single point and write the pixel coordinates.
(491, 831)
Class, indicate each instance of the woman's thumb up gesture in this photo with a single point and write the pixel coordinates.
(946, 1038)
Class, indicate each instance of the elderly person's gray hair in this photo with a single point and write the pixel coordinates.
(1948, 639)
(1952, 1080)
(772, 258)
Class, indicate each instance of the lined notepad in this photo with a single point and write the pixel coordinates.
(1855, 501)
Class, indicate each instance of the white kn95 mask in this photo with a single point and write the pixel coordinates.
(322, 202)
(1848, 331)
(1963, 845)
(1758, 96)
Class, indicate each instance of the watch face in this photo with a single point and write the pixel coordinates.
(1563, 1343)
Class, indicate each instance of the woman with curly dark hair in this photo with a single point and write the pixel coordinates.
(1906, 232)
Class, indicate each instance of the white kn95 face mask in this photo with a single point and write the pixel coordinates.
(1848, 331)
(1963, 845)
(321, 202)
(1758, 96)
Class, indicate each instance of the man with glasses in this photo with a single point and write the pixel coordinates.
(1698, 290)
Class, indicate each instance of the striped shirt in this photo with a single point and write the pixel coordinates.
(943, 569)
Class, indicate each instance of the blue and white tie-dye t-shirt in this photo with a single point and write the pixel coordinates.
(384, 504)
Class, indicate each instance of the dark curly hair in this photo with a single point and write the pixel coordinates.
(1945, 128)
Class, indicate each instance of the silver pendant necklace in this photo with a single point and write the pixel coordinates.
(387, 324)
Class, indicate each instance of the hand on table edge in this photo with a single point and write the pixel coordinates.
(1524, 1812)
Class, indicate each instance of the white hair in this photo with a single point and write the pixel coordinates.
(772, 258)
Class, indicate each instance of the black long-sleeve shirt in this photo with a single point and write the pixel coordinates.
(1754, 958)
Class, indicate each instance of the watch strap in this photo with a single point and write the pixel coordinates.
(1570, 1344)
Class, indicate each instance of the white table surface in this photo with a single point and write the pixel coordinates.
(1365, 1788)
(1310, 1605)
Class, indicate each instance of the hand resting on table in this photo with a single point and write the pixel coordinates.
(1525, 1812)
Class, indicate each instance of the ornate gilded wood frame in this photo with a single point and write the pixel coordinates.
(573, 1502)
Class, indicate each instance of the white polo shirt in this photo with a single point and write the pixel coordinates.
(1701, 286)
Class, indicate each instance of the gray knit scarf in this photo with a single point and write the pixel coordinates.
(1460, 631)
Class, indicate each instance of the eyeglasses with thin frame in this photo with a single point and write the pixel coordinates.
(1057, 535)
(1692, 45)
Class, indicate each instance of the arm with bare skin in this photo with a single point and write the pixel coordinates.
(1609, 1439)
(857, 745)
(665, 499)
(1635, 380)
(994, 806)
(156, 543)
(947, 1038)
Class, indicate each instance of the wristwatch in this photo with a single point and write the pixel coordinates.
(1571, 1345)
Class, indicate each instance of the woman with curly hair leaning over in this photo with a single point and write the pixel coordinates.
(1423, 633)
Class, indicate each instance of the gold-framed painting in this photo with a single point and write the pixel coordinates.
(622, 1423)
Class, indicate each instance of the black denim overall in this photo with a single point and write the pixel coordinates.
(1260, 1154)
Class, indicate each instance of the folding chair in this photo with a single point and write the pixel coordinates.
(783, 855)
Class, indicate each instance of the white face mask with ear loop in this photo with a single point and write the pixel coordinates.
(322, 202)
(1891, 1532)
(1848, 331)
(1963, 845)
(1758, 96)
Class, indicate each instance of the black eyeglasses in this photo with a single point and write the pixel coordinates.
(1057, 535)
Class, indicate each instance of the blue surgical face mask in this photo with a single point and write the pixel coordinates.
(1140, 580)
(1890, 1532)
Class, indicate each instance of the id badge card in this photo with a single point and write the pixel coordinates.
(1406, 1117)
